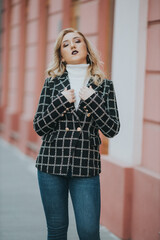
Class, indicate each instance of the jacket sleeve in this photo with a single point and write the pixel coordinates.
(49, 110)
(103, 108)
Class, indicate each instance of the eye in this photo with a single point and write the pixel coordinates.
(77, 41)
(65, 45)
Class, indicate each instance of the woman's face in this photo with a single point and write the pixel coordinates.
(73, 49)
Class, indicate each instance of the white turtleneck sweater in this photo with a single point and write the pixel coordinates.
(77, 74)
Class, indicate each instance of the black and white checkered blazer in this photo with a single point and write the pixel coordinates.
(70, 138)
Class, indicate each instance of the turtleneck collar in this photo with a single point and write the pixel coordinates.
(77, 77)
(77, 69)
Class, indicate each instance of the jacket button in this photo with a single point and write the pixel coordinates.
(89, 114)
(67, 109)
(85, 107)
(62, 114)
(78, 129)
(67, 129)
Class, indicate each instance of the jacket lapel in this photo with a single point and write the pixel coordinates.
(63, 82)
(80, 112)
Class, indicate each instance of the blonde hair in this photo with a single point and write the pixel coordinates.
(57, 67)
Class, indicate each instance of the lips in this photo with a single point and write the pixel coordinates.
(74, 52)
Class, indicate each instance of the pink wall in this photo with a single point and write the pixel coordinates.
(116, 188)
(54, 23)
(10, 114)
(151, 130)
(146, 180)
(146, 207)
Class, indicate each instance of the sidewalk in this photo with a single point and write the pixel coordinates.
(21, 212)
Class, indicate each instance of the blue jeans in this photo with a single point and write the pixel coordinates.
(85, 195)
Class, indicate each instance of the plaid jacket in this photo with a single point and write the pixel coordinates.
(70, 137)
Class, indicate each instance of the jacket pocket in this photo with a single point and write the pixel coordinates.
(50, 137)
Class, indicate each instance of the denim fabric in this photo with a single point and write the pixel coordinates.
(85, 195)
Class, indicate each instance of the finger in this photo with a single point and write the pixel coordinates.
(65, 89)
(71, 90)
(73, 99)
(72, 94)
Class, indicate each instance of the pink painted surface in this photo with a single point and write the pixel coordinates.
(66, 21)
(145, 206)
(153, 48)
(25, 127)
(55, 5)
(116, 188)
(154, 10)
(35, 49)
(49, 53)
(13, 61)
(12, 91)
(151, 147)
(33, 9)
(31, 57)
(12, 100)
(28, 102)
(30, 66)
(93, 40)
(13, 75)
(54, 23)
(15, 1)
(11, 123)
(32, 32)
(30, 83)
(89, 22)
(2, 33)
(15, 16)
(31, 52)
(152, 97)
(15, 36)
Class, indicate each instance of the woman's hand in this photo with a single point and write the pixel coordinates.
(69, 94)
(86, 92)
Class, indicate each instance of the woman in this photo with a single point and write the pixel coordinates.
(76, 102)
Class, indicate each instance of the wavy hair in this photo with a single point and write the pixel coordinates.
(57, 67)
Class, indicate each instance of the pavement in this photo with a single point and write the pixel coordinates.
(21, 211)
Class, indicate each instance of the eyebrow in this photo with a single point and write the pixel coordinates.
(73, 38)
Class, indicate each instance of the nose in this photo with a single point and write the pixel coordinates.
(72, 44)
